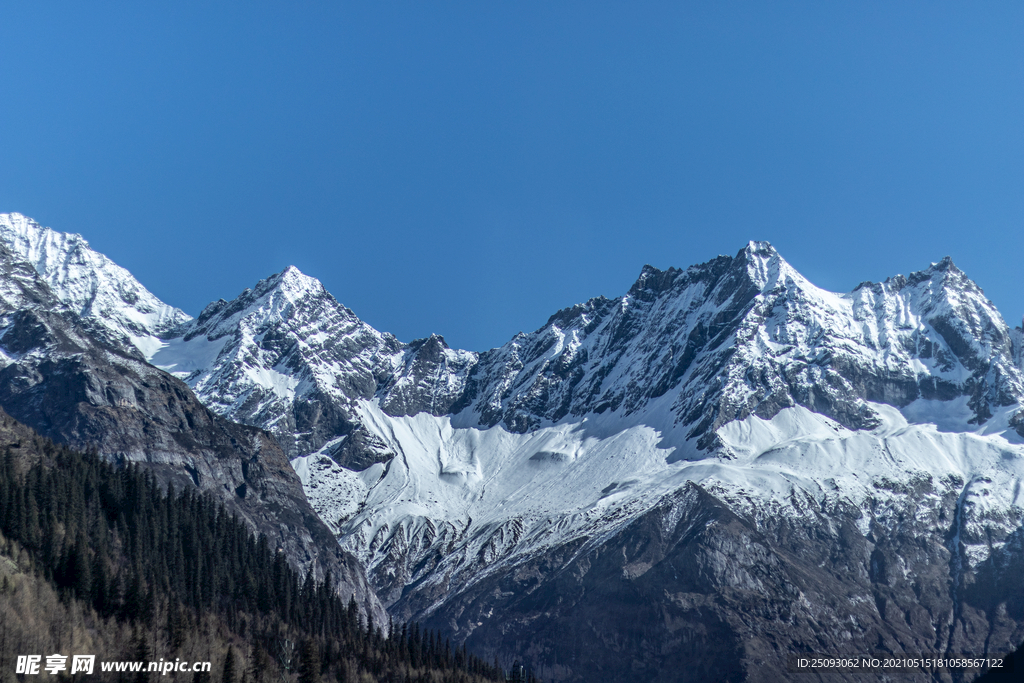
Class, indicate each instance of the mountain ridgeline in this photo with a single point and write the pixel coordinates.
(724, 466)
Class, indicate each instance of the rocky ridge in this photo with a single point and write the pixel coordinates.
(728, 338)
(286, 356)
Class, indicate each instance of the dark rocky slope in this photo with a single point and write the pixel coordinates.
(693, 591)
(78, 384)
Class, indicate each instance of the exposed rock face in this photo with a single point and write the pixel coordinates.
(79, 384)
(431, 379)
(749, 335)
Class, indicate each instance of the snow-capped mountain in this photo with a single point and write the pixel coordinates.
(723, 466)
(894, 411)
(749, 335)
(286, 356)
(735, 385)
(90, 283)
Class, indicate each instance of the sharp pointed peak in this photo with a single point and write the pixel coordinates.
(760, 248)
(291, 279)
(89, 282)
(945, 268)
(764, 265)
(944, 275)
(758, 253)
(758, 259)
(293, 273)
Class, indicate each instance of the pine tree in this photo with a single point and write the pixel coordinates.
(100, 582)
(141, 653)
(229, 666)
(309, 662)
(80, 572)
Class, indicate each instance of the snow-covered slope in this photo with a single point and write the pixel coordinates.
(284, 355)
(90, 283)
(460, 504)
(612, 400)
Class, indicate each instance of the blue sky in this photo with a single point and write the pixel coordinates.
(469, 168)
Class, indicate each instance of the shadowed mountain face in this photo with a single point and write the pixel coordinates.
(724, 466)
(81, 384)
(693, 591)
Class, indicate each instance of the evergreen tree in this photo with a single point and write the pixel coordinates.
(309, 663)
(141, 653)
(229, 667)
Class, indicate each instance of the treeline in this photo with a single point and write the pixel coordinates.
(164, 566)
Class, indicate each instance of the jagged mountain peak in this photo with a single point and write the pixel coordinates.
(749, 334)
(30, 239)
(286, 295)
(289, 285)
(91, 284)
(766, 268)
(758, 251)
(286, 344)
(653, 281)
(293, 282)
(71, 379)
(757, 266)
(941, 276)
(433, 343)
(284, 355)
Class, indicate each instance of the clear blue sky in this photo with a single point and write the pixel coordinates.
(468, 168)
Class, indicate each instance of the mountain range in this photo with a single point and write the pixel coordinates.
(720, 468)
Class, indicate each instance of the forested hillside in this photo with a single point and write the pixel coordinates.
(98, 559)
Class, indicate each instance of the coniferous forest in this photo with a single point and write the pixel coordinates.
(97, 558)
